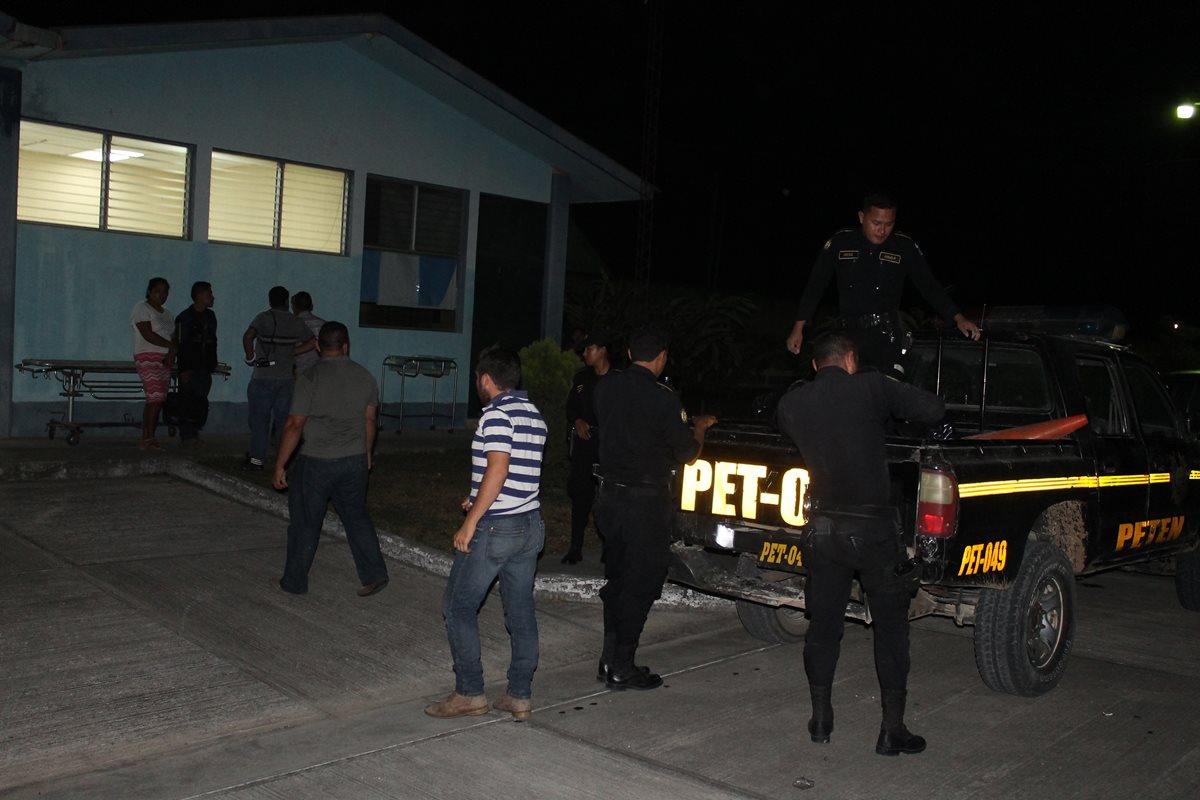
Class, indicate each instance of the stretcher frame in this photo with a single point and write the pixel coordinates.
(97, 380)
(433, 367)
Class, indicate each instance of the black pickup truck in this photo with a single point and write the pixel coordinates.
(1063, 456)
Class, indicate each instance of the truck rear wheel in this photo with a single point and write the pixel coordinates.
(782, 625)
(1023, 634)
(1187, 580)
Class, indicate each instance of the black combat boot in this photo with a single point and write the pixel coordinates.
(894, 738)
(821, 725)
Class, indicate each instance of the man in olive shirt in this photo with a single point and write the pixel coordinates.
(336, 407)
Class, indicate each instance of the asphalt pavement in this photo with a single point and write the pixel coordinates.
(145, 653)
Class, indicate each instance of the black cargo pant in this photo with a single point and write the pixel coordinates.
(193, 402)
(871, 549)
(636, 522)
(581, 487)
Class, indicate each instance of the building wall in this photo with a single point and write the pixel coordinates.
(325, 104)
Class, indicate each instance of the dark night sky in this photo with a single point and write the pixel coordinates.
(1035, 154)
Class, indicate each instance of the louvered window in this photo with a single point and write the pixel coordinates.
(274, 203)
(413, 239)
(92, 179)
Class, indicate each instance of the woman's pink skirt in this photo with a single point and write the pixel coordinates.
(155, 375)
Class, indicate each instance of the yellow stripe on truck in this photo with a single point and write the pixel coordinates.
(990, 488)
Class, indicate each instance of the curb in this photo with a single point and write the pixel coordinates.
(550, 586)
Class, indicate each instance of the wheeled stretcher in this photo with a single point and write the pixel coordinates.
(99, 380)
(433, 367)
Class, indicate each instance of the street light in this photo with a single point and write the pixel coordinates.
(1186, 110)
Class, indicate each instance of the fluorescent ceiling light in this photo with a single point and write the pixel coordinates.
(113, 155)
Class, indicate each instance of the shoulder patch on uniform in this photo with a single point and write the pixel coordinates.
(893, 258)
(683, 415)
(827, 243)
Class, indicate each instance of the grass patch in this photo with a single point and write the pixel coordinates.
(419, 494)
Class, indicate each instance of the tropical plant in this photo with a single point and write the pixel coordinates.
(546, 373)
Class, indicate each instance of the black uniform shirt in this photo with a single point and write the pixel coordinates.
(197, 336)
(579, 399)
(870, 278)
(838, 421)
(646, 434)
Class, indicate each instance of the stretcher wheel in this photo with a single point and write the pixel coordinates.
(73, 438)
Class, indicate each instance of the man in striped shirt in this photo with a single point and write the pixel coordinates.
(500, 537)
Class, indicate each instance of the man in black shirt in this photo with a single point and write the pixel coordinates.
(646, 438)
(585, 438)
(871, 264)
(838, 422)
(196, 331)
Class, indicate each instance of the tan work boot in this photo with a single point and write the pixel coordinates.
(458, 705)
(519, 708)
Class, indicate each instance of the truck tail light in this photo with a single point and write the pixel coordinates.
(937, 503)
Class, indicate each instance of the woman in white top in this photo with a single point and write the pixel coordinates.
(154, 350)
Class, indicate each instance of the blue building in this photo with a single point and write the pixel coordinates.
(343, 156)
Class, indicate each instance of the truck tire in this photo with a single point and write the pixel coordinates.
(1187, 580)
(1024, 633)
(782, 625)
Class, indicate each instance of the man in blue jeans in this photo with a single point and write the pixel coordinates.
(336, 409)
(271, 343)
(500, 537)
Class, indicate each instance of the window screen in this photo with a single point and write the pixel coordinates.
(62, 179)
(147, 186)
(274, 203)
(242, 199)
(412, 255)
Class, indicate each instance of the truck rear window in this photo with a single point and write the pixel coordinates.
(1016, 377)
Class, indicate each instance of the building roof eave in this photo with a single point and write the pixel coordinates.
(595, 177)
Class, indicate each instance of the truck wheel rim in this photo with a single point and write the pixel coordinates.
(1045, 623)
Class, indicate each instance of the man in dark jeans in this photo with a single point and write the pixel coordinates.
(838, 422)
(271, 343)
(196, 332)
(335, 407)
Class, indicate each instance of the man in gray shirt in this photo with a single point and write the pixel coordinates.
(273, 340)
(302, 307)
(336, 409)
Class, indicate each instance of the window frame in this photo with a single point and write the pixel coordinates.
(1117, 399)
(280, 172)
(107, 134)
(418, 317)
(1131, 370)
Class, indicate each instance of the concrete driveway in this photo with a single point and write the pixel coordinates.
(144, 653)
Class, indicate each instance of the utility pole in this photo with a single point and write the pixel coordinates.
(650, 107)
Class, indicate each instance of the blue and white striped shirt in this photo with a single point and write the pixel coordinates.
(510, 424)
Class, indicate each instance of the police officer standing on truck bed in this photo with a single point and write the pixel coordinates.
(646, 437)
(871, 264)
(837, 420)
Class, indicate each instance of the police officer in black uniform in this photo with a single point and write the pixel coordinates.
(871, 264)
(645, 439)
(838, 422)
(585, 438)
